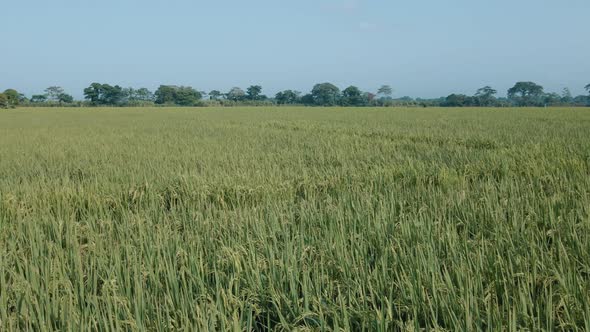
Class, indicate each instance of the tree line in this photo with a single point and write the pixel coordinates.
(323, 94)
(521, 94)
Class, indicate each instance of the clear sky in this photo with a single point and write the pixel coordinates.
(423, 48)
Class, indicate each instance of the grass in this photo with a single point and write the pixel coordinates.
(295, 219)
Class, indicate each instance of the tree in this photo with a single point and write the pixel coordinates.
(105, 94)
(352, 96)
(215, 94)
(93, 93)
(287, 97)
(236, 94)
(456, 100)
(186, 96)
(253, 92)
(551, 99)
(53, 92)
(325, 94)
(385, 91)
(582, 100)
(65, 98)
(369, 97)
(12, 97)
(112, 95)
(485, 96)
(587, 87)
(3, 101)
(525, 93)
(165, 94)
(22, 98)
(566, 96)
(143, 94)
(129, 94)
(178, 95)
(308, 99)
(38, 98)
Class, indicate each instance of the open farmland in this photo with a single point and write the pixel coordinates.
(294, 218)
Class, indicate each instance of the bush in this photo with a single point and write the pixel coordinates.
(3, 101)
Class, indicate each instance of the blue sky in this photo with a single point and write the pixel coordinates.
(422, 48)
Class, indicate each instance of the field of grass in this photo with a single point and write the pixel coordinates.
(294, 219)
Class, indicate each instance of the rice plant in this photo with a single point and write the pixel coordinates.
(285, 219)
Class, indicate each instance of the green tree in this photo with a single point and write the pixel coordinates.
(3, 101)
(582, 100)
(105, 94)
(566, 96)
(165, 94)
(325, 94)
(178, 95)
(38, 98)
(385, 91)
(287, 97)
(308, 99)
(352, 96)
(456, 100)
(129, 94)
(112, 95)
(12, 97)
(93, 93)
(186, 96)
(22, 98)
(236, 94)
(486, 96)
(587, 87)
(53, 92)
(215, 95)
(253, 92)
(526, 93)
(550, 99)
(143, 94)
(65, 98)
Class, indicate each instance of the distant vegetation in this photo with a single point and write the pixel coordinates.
(324, 94)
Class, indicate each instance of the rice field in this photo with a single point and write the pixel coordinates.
(294, 219)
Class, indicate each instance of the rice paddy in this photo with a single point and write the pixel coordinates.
(310, 219)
